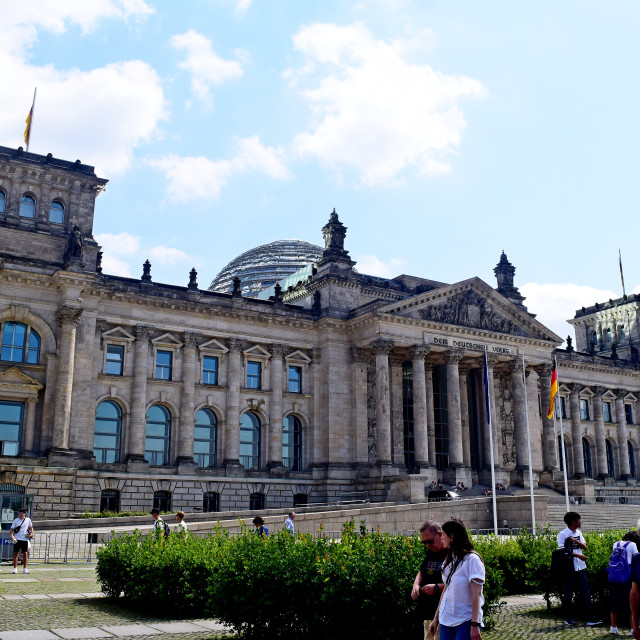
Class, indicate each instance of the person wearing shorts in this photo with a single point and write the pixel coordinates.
(21, 532)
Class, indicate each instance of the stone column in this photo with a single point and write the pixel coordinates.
(453, 408)
(601, 445)
(187, 398)
(550, 462)
(138, 422)
(68, 318)
(319, 446)
(420, 432)
(232, 434)
(576, 430)
(623, 453)
(29, 425)
(464, 416)
(497, 457)
(381, 349)
(275, 406)
(359, 360)
(519, 415)
(431, 417)
(396, 393)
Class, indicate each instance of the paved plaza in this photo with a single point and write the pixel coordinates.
(64, 601)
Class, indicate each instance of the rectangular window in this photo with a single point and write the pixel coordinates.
(254, 375)
(584, 410)
(295, 379)
(210, 370)
(561, 407)
(164, 363)
(628, 412)
(115, 360)
(606, 411)
(11, 416)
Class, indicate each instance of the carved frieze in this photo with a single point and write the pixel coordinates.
(469, 309)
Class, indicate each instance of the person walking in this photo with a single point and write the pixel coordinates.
(261, 530)
(181, 528)
(620, 589)
(459, 612)
(428, 582)
(288, 523)
(576, 581)
(21, 533)
(160, 528)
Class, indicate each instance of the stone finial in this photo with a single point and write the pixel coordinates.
(237, 290)
(99, 262)
(505, 273)
(146, 271)
(334, 233)
(277, 293)
(569, 344)
(193, 280)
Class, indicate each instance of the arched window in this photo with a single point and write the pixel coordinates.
(210, 502)
(157, 437)
(162, 500)
(107, 430)
(292, 443)
(632, 459)
(109, 501)
(11, 417)
(3, 201)
(586, 456)
(27, 206)
(20, 343)
(607, 336)
(56, 212)
(249, 440)
(204, 439)
(621, 332)
(594, 338)
(256, 501)
(611, 469)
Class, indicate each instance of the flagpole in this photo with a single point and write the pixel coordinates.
(526, 410)
(562, 447)
(624, 293)
(31, 114)
(493, 468)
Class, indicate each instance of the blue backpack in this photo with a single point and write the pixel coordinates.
(619, 569)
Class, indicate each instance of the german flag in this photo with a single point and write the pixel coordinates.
(554, 391)
(27, 131)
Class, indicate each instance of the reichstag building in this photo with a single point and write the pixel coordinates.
(292, 379)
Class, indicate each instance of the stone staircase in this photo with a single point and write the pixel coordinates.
(598, 516)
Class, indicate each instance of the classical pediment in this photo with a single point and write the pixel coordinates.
(472, 304)
(13, 378)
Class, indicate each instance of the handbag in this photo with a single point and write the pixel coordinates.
(17, 529)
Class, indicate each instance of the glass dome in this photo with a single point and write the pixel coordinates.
(265, 265)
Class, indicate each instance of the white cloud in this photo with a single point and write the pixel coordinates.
(99, 115)
(372, 110)
(119, 243)
(206, 67)
(371, 265)
(167, 255)
(242, 5)
(554, 304)
(197, 178)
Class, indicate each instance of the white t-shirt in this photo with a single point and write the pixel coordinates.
(455, 605)
(578, 565)
(632, 549)
(288, 525)
(22, 534)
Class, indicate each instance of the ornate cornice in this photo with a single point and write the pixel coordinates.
(68, 314)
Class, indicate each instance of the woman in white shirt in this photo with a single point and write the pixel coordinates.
(460, 610)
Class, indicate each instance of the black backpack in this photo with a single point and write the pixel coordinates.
(561, 564)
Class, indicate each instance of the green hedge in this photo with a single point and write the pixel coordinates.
(316, 587)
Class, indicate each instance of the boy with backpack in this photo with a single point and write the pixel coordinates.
(619, 570)
(160, 528)
(572, 539)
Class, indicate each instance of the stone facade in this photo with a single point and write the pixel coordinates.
(123, 392)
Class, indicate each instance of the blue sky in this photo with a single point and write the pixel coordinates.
(442, 132)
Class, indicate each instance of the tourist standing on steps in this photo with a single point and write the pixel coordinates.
(576, 581)
(428, 582)
(21, 532)
(460, 610)
(288, 523)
